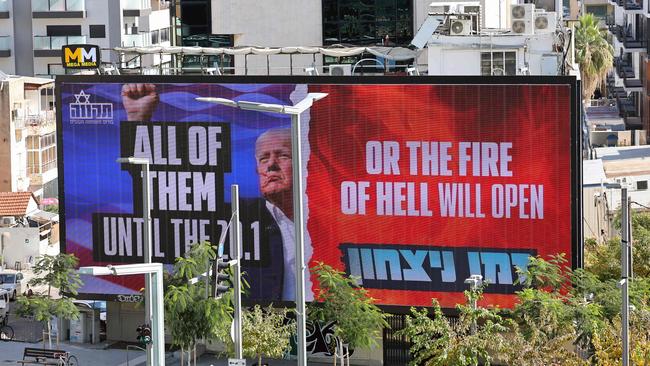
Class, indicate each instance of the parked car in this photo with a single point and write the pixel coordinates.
(12, 282)
(4, 304)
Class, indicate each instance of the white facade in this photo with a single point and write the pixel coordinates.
(25, 246)
(26, 115)
(491, 41)
(532, 53)
(629, 166)
(277, 23)
(33, 31)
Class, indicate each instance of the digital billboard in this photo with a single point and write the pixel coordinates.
(410, 184)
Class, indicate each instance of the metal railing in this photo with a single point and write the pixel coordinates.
(58, 5)
(36, 120)
(137, 40)
(56, 42)
(130, 347)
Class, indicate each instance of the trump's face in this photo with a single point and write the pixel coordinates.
(273, 155)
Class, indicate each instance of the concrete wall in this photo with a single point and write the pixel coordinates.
(6, 130)
(24, 246)
(23, 41)
(597, 222)
(272, 24)
(643, 197)
(122, 320)
(445, 51)
(8, 64)
(13, 154)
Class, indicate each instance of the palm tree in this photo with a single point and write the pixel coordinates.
(593, 53)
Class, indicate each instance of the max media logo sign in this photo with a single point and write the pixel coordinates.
(80, 56)
(83, 109)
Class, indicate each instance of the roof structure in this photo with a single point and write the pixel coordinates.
(389, 53)
(593, 173)
(15, 203)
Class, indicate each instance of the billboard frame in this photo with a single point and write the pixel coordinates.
(577, 245)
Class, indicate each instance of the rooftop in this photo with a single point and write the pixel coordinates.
(14, 203)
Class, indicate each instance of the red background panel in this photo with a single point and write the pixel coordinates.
(535, 118)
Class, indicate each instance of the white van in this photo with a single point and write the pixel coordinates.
(4, 304)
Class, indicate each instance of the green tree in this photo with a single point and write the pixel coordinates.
(190, 313)
(593, 53)
(52, 208)
(476, 337)
(57, 273)
(266, 332)
(358, 321)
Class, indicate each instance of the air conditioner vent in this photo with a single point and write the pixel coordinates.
(460, 27)
(340, 70)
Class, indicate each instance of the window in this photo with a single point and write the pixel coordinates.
(368, 22)
(641, 185)
(155, 37)
(63, 30)
(498, 63)
(164, 35)
(41, 153)
(97, 31)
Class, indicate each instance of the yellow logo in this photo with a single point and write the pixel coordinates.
(80, 56)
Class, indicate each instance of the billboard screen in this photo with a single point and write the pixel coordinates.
(410, 184)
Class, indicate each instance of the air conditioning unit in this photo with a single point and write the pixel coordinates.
(341, 70)
(460, 27)
(545, 22)
(521, 18)
(8, 221)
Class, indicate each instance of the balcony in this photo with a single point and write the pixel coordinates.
(50, 46)
(632, 7)
(628, 110)
(624, 68)
(136, 40)
(58, 8)
(4, 9)
(630, 41)
(5, 46)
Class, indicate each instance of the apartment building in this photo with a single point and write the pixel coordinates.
(627, 85)
(28, 136)
(33, 31)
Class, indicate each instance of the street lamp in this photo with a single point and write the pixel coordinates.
(147, 246)
(296, 147)
(624, 283)
(155, 350)
(474, 281)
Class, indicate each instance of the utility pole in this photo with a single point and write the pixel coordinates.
(625, 275)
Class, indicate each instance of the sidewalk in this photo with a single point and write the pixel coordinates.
(97, 355)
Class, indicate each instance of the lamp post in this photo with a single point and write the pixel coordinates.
(624, 283)
(625, 276)
(296, 158)
(144, 163)
(474, 281)
(155, 350)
